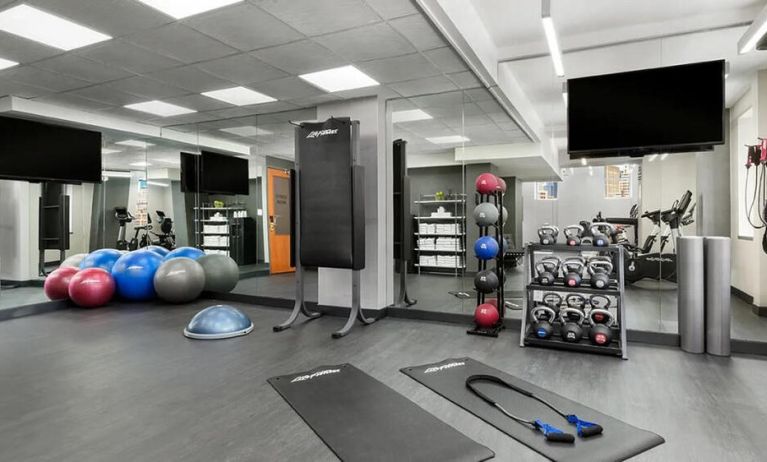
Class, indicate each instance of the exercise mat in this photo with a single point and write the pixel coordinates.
(361, 419)
(619, 441)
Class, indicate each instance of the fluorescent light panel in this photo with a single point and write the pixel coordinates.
(248, 130)
(239, 96)
(339, 79)
(109, 151)
(409, 116)
(452, 139)
(160, 108)
(184, 8)
(116, 174)
(663, 156)
(157, 183)
(140, 164)
(652, 157)
(135, 143)
(584, 162)
(554, 50)
(754, 33)
(37, 25)
(6, 63)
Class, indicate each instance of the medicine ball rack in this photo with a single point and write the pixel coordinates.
(618, 345)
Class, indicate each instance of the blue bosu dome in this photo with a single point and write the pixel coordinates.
(218, 321)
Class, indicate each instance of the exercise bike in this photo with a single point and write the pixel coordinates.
(166, 237)
(123, 217)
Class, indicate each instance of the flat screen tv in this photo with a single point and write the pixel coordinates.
(190, 172)
(667, 109)
(223, 174)
(36, 151)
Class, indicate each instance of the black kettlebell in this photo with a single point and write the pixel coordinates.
(576, 301)
(486, 281)
(547, 234)
(572, 269)
(602, 234)
(548, 270)
(543, 321)
(600, 332)
(599, 269)
(573, 234)
(571, 330)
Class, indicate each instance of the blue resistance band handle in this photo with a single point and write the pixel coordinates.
(585, 428)
(554, 434)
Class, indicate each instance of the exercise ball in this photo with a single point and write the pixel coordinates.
(73, 261)
(486, 315)
(486, 248)
(102, 258)
(501, 184)
(486, 214)
(56, 285)
(505, 246)
(161, 251)
(134, 274)
(91, 287)
(221, 273)
(188, 252)
(486, 281)
(218, 321)
(179, 280)
(505, 215)
(486, 183)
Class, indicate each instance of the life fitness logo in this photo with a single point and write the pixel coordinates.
(441, 368)
(302, 378)
(319, 133)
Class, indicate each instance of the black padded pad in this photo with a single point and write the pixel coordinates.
(619, 440)
(361, 419)
(330, 229)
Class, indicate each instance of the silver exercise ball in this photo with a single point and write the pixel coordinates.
(73, 260)
(221, 272)
(179, 280)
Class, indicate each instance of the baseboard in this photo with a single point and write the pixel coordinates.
(742, 295)
(653, 338)
(29, 283)
(31, 310)
(748, 347)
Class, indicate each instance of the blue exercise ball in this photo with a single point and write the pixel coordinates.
(218, 321)
(161, 251)
(188, 252)
(102, 258)
(486, 248)
(134, 274)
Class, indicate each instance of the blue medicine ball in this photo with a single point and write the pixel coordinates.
(103, 258)
(486, 248)
(134, 274)
(188, 252)
(161, 251)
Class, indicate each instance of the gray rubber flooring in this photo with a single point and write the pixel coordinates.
(122, 384)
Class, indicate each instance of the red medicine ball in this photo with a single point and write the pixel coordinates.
(486, 315)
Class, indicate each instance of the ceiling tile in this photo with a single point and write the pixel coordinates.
(446, 59)
(147, 88)
(24, 51)
(465, 80)
(191, 78)
(312, 101)
(182, 119)
(452, 100)
(73, 101)
(198, 103)
(288, 88)
(244, 27)
(423, 86)
(419, 32)
(389, 9)
(82, 68)
(53, 81)
(479, 94)
(490, 106)
(107, 95)
(369, 42)
(9, 87)
(315, 17)
(242, 69)
(399, 68)
(181, 43)
(129, 57)
(300, 57)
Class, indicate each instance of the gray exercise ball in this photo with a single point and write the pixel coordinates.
(221, 272)
(73, 261)
(505, 216)
(179, 280)
(486, 214)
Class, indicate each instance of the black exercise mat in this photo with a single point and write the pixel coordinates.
(361, 419)
(619, 441)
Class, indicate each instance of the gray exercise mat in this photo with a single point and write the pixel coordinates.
(361, 419)
(619, 441)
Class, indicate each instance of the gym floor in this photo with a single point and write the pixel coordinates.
(122, 383)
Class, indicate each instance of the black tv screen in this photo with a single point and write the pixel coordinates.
(668, 109)
(190, 172)
(35, 151)
(223, 174)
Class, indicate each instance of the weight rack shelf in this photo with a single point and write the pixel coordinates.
(618, 346)
(456, 205)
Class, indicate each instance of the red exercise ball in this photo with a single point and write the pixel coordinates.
(501, 184)
(486, 315)
(56, 285)
(486, 183)
(91, 288)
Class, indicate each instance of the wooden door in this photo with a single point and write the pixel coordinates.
(278, 201)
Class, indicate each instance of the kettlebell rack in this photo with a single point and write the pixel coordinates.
(614, 292)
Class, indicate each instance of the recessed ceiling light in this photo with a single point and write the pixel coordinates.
(160, 108)
(37, 25)
(109, 151)
(452, 139)
(247, 131)
(140, 164)
(239, 96)
(135, 143)
(409, 116)
(339, 79)
(184, 8)
(157, 183)
(6, 63)
(167, 161)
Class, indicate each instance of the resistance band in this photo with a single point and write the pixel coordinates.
(584, 428)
